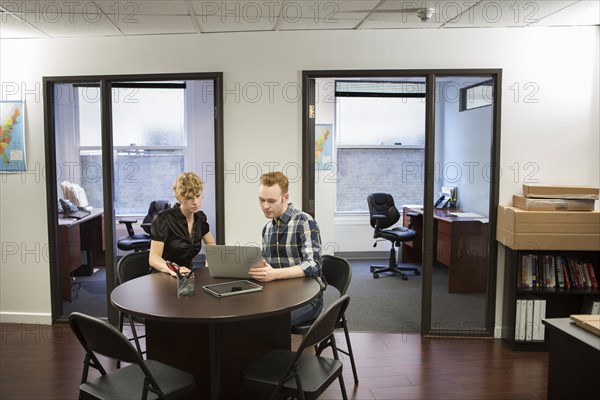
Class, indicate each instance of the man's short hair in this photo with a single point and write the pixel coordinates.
(275, 178)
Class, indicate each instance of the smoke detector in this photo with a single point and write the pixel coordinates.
(425, 14)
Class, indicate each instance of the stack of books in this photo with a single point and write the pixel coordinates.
(555, 271)
(75, 193)
(556, 198)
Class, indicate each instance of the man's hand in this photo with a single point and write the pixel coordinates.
(263, 273)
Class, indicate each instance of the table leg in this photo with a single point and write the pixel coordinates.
(216, 352)
(215, 362)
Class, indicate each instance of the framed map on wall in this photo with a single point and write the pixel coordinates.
(12, 137)
(323, 147)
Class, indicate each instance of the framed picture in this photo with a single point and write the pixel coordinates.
(12, 137)
(323, 147)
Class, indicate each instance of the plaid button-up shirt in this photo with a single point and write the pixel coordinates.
(293, 239)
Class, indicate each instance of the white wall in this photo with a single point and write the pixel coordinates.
(466, 150)
(558, 133)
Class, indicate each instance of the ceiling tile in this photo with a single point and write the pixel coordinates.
(210, 24)
(341, 20)
(506, 13)
(72, 25)
(13, 28)
(585, 12)
(132, 8)
(156, 24)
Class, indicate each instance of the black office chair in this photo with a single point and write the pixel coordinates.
(132, 382)
(384, 214)
(338, 273)
(131, 266)
(295, 373)
(141, 241)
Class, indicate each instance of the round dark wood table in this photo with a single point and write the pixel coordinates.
(213, 338)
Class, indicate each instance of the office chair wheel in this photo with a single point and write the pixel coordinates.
(404, 277)
(417, 272)
(375, 275)
(372, 269)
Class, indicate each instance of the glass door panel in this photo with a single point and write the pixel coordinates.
(463, 143)
(80, 241)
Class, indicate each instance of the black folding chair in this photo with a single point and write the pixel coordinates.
(338, 273)
(131, 266)
(142, 379)
(298, 374)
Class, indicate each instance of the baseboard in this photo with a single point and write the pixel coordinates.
(7, 317)
(363, 255)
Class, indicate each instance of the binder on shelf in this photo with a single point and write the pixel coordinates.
(539, 313)
(529, 320)
(522, 318)
(530, 312)
(518, 319)
(591, 305)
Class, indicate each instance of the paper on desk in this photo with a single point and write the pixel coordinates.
(466, 215)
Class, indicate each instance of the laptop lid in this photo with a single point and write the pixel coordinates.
(232, 261)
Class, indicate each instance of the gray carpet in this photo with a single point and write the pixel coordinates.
(88, 295)
(390, 304)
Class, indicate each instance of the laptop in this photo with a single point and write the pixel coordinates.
(232, 261)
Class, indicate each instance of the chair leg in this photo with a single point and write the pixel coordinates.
(121, 321)
(337, 357)
(330, 342)
(135, 336)
(350, 352)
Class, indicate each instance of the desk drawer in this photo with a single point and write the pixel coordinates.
(444, 242)
(444, 228)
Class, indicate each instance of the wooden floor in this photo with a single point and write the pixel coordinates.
(45, 362)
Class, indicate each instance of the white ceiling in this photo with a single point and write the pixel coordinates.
(87, 18)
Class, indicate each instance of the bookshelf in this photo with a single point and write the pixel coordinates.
(559, 302)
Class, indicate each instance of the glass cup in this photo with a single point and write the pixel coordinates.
(185, 286)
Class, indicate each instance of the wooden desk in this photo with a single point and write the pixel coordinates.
(213, 338)
(75, 235)
(574, 361)
(461, 244)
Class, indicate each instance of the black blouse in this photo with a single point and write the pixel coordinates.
(170, 227)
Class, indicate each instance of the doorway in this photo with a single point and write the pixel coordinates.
(112, 136)
(477, 196)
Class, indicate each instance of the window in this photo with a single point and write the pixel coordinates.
(379, 136)
(149, 142)
(479, 95)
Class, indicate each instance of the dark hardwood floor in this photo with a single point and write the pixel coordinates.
(45, 362)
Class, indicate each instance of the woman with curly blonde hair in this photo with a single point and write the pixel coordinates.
(178, 233)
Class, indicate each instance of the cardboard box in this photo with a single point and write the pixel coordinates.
(561, 192)
(548, 230)
(530, 204)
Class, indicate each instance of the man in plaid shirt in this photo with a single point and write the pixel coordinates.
(291, 242)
